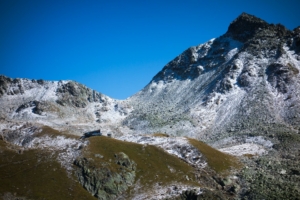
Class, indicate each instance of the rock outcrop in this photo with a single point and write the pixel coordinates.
(76, 94)
(103, 182)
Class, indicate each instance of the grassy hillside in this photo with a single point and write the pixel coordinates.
(154, 165)
(35, 174)
(218, 161)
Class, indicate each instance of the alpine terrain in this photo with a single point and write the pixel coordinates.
(220, 121)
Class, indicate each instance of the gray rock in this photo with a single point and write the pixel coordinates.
(103, 183)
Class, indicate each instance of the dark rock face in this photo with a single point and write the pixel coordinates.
(77, 95)
(188, 65)
(205, 195)
(295, 42)
(38, 107)
(4, 81)
(29, 104)
(16, 86)
(280, 76)
(268, 42)
(259, 37)
(245, 26)
(20, 136)
(104, 183)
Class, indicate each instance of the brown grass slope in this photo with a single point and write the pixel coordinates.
(35, 174)
(220, 162)
(154, 165)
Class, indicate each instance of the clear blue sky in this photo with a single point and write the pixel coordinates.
(116, 47)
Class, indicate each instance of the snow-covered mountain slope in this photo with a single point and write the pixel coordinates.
(241, 83)
(60, 104)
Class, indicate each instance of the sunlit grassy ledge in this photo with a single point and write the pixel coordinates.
(217, 160)
(154, 165)
(36, 174)
(194, 152)
(160, 161)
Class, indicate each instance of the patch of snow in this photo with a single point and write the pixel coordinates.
(33, 90)
(247, 148)
(234, 47)
(245, 145)
(231, 53)
(26, 113)
(203, 49)
(260, 141)
(291, 57)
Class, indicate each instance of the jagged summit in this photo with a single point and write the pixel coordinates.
(252, 60)
(245, 26)
(246, 33)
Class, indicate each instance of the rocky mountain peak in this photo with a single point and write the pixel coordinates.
(246, 33)
(245, 26)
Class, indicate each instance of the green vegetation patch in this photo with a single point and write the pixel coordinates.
(154, 165)
(34, 174)
(217, 160)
